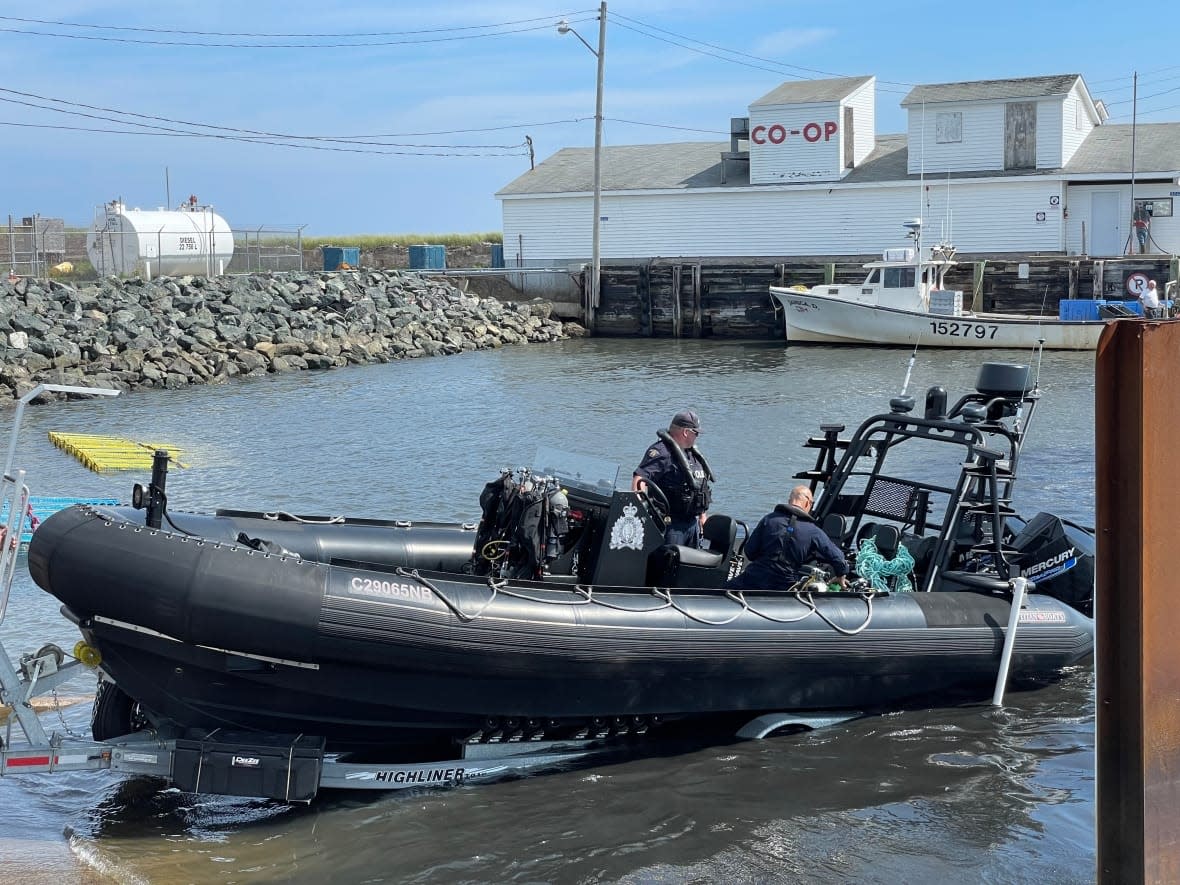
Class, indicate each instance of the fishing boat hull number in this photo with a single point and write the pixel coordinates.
(982, 331)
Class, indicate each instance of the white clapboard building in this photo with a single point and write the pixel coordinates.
(1016, 166)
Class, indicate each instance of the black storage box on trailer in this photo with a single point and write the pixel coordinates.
(286, 767)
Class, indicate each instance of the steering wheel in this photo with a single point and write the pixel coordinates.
(657, 503)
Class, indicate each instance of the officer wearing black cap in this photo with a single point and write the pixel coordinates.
(674, 464)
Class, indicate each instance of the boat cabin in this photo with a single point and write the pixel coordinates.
(910, 278)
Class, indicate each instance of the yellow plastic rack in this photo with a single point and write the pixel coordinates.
(103, 453)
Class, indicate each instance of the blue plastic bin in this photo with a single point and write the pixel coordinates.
(428, 257)
(336, 257)
(1079, 309)
(497, 254)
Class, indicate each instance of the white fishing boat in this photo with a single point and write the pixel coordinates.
(904, 301)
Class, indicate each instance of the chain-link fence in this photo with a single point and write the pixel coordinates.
(31, 245)
(267, 250)
(43, 247)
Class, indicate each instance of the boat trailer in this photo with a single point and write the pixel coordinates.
(287, 768)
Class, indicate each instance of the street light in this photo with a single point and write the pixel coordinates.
(563, 27)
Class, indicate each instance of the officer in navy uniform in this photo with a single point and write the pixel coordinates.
(674, 464)
(782, 542)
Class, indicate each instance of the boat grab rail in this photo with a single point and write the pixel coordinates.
(283, 515)
(585, 596)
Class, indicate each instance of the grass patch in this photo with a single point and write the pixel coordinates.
(369, 242)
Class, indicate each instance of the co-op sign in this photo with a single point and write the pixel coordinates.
(777, 133)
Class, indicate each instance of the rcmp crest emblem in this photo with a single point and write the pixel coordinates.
(627, 532)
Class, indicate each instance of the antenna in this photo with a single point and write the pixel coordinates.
(948, 235)
(1038, 348)
(921, 183)
(1134, 122)
(910, 368)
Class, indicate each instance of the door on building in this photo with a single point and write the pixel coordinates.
(1106, 231)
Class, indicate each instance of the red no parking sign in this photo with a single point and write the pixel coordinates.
(1136, 284)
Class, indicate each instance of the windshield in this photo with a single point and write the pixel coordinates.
(577, 471)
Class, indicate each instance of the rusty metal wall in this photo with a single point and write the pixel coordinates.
(1137, 609)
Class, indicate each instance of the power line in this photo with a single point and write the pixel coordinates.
(733, 52)
(1144, 97)
(365, 143)
(252, 133)
(329, 35)
(223, 45)
(616, 16)
(1145, 112)
(667, 126)
(520, 151)
(1127, 79)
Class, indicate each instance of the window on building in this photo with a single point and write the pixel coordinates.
(1156, 208)
(948, 127)
(1020, 135)
(899, 277)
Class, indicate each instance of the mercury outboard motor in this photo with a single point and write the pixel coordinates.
(1059, 557)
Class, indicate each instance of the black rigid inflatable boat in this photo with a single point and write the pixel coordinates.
(561, 613)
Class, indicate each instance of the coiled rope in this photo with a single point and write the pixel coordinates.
(875, 568)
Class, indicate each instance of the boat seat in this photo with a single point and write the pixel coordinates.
(887, 538)
(673, 565)
(835, 526)
(694, 557)
(922, 549)
(720, 531)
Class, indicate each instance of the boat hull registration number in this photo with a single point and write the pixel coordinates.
(955, 329)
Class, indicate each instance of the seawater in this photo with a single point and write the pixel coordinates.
(976, 793)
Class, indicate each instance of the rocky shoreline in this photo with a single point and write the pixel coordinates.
(172, 332)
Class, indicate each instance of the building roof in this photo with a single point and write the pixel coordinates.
(629, 167)
(1108, 148)
(990, 90)
(697, 164)
(811, 91)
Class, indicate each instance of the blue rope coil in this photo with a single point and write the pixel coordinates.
(875, 568)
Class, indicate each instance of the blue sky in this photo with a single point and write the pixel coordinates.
(410, 116)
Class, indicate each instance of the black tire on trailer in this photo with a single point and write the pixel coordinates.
(115, 713)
